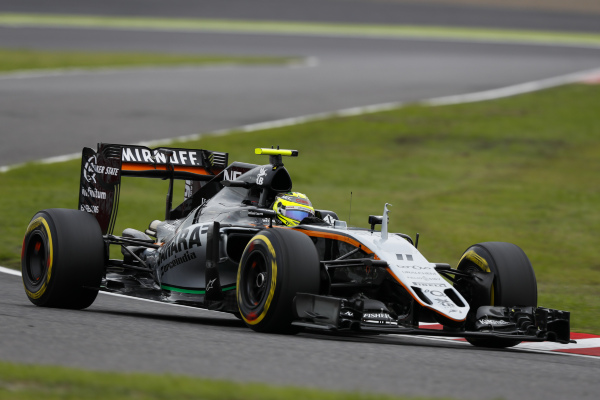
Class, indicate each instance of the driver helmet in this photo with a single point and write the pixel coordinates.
(292, 208)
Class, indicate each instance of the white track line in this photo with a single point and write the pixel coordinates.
(507, 91)
(305, 62)
(10, 271)
(14, 272)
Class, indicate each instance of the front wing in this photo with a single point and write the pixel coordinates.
(521, 323)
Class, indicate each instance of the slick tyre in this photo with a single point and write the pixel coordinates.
(276, 264)
(514, 280)
(62, 260)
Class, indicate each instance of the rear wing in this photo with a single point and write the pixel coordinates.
(101, 173)
(164, 162)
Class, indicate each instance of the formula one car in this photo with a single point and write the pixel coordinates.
(224, 248)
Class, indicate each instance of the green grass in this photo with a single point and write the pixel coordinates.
(301, 28)
(25, 382)
(522, 169)
(26, 59)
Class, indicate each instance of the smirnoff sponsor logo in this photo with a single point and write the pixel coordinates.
(147, 156)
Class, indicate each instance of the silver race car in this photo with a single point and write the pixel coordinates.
(243, 242)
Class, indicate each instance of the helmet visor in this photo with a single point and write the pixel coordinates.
(297, 214)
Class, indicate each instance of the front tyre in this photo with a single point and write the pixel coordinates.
(514, 281)
(62, 260)
(276, 264)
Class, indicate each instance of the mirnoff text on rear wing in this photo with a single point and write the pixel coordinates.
(101, 173)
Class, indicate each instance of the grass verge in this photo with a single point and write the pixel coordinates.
(522, 169)
(24, 382)
(26, 59)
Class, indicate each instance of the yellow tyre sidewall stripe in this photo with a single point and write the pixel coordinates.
(33, 225)
(273, 281)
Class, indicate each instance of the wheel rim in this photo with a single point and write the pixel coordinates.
(36, 261)
(256, 280)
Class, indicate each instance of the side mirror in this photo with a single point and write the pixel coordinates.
(375, 220)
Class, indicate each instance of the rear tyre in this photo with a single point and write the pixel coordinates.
(276, 264)
(514, 281)
(62, 260)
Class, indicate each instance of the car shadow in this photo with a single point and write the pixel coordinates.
(402, 340)
(221, 321)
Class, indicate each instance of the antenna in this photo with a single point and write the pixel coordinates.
(350, 212)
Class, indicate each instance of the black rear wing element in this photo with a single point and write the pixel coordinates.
(101, 173)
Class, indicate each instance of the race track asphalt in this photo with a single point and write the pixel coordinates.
(130, 335)
(48, 116)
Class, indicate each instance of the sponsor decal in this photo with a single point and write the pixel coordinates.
(261, 176)
(440, 298)
(428, 284)
(211, 284)
(146, 156)
(92, 192)
(487, 321)
(89, 170)
(301, 201)
(329, 219)
(430, 274)
(435, 293)
(347, 314)
(183, 241)
(232, 175)
(90, 208)
(417, 267)
(107, 170)
(256, 213)
(430, 278)
(445, 303)
(187, 256)
(377, 316)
